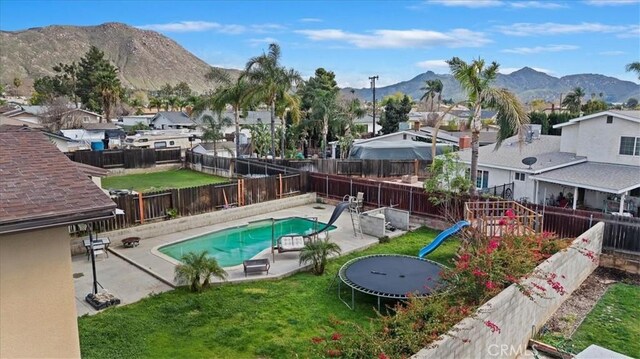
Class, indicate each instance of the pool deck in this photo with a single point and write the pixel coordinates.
(162, 267)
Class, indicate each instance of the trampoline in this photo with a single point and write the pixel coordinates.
(391, 276)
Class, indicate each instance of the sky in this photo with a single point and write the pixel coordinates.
(395, 40)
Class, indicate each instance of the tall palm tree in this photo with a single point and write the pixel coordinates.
(317, 252)
(155, 102)
(324, 108)
(213, 128)
(635, 67)
(351, 111)
(431, 88)
(475, 79)
(110, 89)
(271, 81)
(196, 270)
(238, 94)
(573, 100)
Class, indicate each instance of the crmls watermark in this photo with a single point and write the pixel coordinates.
(505, 350)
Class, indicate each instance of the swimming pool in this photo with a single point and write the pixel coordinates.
(231, 246)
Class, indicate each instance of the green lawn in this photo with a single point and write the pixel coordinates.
(265, 319)
(614, 322)
(156, 181)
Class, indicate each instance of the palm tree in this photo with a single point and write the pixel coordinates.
(317, 252)
(271, 81)
(196, 270)
(324, 108)
(155, 102)
(431, 88)
(351, 111)
(573, 100)
(213, 128)
(110, 89)
(635, 67)
(475, 79)
(172, 102)
(287, 106)
(236, 93)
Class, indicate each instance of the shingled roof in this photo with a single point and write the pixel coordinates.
(40, 187)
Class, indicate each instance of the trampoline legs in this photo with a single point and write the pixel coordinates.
(352, 306)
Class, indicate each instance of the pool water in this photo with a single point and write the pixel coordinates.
(233, 245)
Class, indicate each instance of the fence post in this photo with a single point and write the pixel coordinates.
(141, 206)
(590, 220)
(327, 185)
(415, 167)
(350, 186)
(410, 199)
(379, 188)
(280, 179)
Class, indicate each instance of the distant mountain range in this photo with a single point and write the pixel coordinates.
(527, 83)
(146, 59)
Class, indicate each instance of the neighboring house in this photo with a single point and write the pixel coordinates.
(133, 120)
(37, 296)
(66, 144)
(93, 132)
(223, 148)
(73, 118)
(4, 120)
(595, 164)
(486, 136)
(248, 119)
(175, 120)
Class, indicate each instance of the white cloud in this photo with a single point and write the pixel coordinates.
(467, 3)
(434, 65)
(309, 19)
(196, 26)
(508, 70)
(183, 26)
(632, 32)
(611, 2)
(539, 49)
(266, 40)
(611, 53)
(413, 38)
(550, 28)
(536, 5)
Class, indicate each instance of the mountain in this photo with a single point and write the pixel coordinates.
(146, 59)
(526, 83)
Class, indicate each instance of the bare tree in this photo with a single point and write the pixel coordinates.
(55, 118)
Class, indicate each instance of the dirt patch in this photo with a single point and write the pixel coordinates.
(572, 312)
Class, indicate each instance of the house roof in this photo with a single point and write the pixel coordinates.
(442, 135)
(40, 187)
(175, 117)
(4, 120)
(605, 177)
(223, 145)
(486, 137)
(99, 126)
(422, 134)
(60, 137)
(251, 118)
(633, 116)
(510, 154)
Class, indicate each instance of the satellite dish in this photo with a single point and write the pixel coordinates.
(529, 161)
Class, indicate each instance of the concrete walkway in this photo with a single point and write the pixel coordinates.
(147, 256)
(122, 279)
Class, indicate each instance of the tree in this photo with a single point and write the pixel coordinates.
(632, 103)
(447, 180)
(156, 103)
(139, 126)
(540, 118)
(323, 109)
(538, 105)
(573, 100)
(108, 85)
(431, 88)
(260, 138)
(196, 270)
(319, 103)
(213, 128)
(593, 106)
(634, 67)
(317, 252)
(97, 82)
(475, 79)
(53, 117)
(272, 81)
(67, 76)
(395, 112)
(236, 93)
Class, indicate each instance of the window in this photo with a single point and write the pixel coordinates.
(609, 119)
(85, 119)
(630, 146)
(520, 176)
(483, 179)
(171, 143)
(160, 144)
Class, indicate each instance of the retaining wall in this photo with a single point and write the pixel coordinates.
(517, 316)
(133, 171)
(200, 220)
(210, 170)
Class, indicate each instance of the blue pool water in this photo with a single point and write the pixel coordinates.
(233, 245)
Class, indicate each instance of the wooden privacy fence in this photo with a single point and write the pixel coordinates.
(361, 168)
(152, 206)
(376, 193)
(127, 158)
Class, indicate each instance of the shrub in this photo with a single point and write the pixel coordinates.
(317, 252)
(196, 270)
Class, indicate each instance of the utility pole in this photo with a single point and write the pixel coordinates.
(373, 86)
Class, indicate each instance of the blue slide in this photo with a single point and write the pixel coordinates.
(441, 237)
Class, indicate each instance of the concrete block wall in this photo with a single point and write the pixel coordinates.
(372, 222)
(133, 171)
(210, 170)
(517, 316)
(200, 220)
(397, 217)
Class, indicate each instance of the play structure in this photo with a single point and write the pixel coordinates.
(441, 237)
(392, 276)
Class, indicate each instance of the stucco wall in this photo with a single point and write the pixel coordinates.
(517, 316)
(599, 141)
(569, 138)
(37, 298)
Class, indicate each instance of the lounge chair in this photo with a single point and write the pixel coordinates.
(291, 243)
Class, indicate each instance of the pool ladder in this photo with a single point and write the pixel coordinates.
(355, 220)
